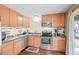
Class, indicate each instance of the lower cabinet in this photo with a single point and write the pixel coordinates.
(30, 40)
(12, 47)
(58, 44)
(37, 41)
(34, 40)
(7, 48)
(17, 46)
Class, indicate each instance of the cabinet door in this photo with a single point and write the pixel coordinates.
(54, 44)
(26, 21)
(59, 44)
(58, 20)
(4, 13)
(49, 18)
(44, 18)
(55, 20)
(7, 48)
(30, 40)
(13, 18)
(62, 45)
(17, 46)
(37, 41)
(62, 20)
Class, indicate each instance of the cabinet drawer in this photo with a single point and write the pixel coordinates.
(58, 44)
(7, 48)
(17, 46)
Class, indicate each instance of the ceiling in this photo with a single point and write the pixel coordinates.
(39, 9)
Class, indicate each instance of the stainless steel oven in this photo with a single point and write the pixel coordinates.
(46, 40)
(46, 43)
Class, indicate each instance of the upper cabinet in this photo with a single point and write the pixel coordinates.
(63, 20)
(13, 18)
(4, 13)
(47, 18)
(56, 19)
(26, 21)
(44, 18)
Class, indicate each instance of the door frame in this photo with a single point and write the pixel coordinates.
(71, 33)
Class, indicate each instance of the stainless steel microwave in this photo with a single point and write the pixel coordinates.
(46, 24)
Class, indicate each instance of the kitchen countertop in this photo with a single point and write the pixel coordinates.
(14, 38)
(20, 36)
(59, 36)
(35, 34)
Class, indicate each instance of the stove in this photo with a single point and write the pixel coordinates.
(46, 40)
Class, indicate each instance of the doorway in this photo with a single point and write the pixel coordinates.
(73, 39)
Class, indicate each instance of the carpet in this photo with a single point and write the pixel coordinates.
(32, 49)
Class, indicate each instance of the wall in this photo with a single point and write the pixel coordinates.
(68, 14)
(35, 26)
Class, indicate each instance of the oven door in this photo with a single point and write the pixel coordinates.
(46, 40)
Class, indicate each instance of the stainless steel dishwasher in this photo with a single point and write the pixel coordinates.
(25, 42)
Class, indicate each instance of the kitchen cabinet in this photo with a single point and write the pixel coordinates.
(17, 46)
(55, 20)
(37, 41)
(0, 50)
(26, 21)
(34, 40)
(5, 18)
(47, 18)
(62, 21)
(12, 47)
(13, 18)
(58, 20)
(30, 40)
(44, 18)
(58, 44)
(7, 48)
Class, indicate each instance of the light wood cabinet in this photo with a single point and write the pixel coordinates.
(62, 45)
(30, 40)
(47, 18)
(44, 18)
(56, 19)
(26, 21)
(13, 18)
(17, 46)
(12, 48)
(34, 40)
(7, 48)
(5, 18)
(62, 21)
(37, 41)
(58, 44)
